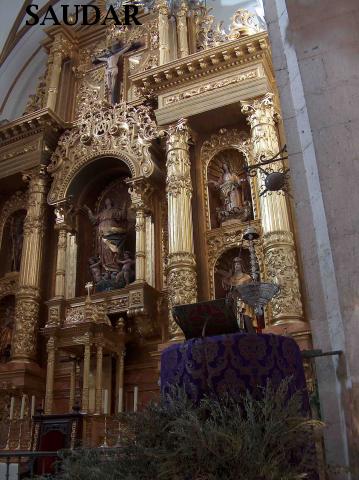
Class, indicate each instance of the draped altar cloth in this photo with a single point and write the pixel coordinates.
(233, 364)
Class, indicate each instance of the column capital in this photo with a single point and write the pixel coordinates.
(178, 136)
(140, 190)
(261, 110)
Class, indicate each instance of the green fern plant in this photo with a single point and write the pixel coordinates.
(220, 439)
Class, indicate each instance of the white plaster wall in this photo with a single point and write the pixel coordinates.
(316, 57)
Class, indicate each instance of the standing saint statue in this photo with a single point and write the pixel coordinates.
(230, 186)
(111, 230)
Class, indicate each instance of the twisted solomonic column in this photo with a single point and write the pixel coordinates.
(278, 243)
(28, 297)
(182, 277)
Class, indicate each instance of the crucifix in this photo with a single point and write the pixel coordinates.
(112, 60)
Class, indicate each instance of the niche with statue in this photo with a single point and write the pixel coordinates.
(228, 189)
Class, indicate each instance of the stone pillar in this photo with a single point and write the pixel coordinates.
(182, 278)
(59, 50)
(86, 375)
(28, 296)
(72, 386)
(182, 33)
(98, 386)
(50, 375)
(278, 243)
(163, 31)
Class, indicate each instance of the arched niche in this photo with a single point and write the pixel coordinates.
(224, 268)
(237, 145)
(11, 242)
(229, 192)
(100, 181)
(7, 321)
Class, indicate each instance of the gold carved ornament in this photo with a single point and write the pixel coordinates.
(27, 311)
(120, 130)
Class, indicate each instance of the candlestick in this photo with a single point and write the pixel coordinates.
(120, 400)
(12, 406)
(33, 402)
(105, 401)
(22, 409)
(135, 399)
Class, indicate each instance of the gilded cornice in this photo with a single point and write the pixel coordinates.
(206, 62)
(41, 121)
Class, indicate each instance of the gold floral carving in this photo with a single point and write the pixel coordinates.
(262, 116)
(121, 131)
(74, 315)
(25, 340)
(211, 86)
(243, 23)
(182, 289)
(281, 268)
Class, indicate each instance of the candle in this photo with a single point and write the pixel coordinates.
(12, 406)
(22, 409)
(33, 401)
(120, 400)
(135, 399)
(105, 401)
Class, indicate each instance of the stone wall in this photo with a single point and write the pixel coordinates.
(316, 58)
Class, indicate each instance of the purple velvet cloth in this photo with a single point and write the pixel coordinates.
(232, 364)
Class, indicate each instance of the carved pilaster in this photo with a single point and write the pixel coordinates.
(278, 244)
(61, 48)
(86, 377)
(182, 279)
(120, 379)
(72, 386)
(163, 31)
(28, 296)
(98, 386)
(182, 33)
(50, 375)
(140, 191)
(62, 225)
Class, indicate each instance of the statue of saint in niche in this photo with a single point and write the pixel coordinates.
(111, 230)
(234, 277)
(231, 187)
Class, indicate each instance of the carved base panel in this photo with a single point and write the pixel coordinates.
(25, 336)
(182, 289)
(281, 268)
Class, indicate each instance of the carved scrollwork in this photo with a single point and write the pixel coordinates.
(281, 268)
(25, 338)
(120, 130)
(182, 289)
